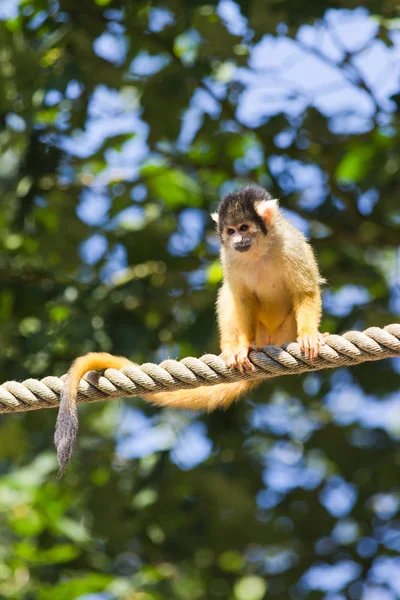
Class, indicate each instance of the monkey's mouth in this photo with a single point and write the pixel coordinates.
(242, 247)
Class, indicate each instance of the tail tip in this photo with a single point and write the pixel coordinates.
(64, 438)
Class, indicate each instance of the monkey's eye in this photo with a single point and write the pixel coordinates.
(243, 227)
(230, 231)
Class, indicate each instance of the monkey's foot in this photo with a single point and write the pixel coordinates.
(310, 344)
(238, 358)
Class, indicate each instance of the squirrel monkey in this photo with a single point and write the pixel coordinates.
(270, 295)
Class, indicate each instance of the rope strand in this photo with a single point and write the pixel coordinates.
(352, 348)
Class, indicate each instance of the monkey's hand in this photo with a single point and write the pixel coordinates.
(310, 344)
(238, 357)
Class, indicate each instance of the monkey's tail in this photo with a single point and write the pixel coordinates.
(67, 419)
(201, 398)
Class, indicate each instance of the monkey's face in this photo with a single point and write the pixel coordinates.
(244, 219)
(241, 236)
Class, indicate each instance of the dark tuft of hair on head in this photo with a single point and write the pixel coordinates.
(239, 206)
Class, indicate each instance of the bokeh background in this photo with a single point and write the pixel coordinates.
(122, 124)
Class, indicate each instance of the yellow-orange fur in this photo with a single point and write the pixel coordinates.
(270, 295)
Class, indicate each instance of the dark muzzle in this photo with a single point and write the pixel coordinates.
(243, 245)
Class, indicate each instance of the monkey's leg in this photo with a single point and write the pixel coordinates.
(307, 308)
(237, 319)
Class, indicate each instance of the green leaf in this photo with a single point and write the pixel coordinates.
(172, 186)
(59, 553)
(72, 529)
(250, 588)
(355, 164)
(75, 587)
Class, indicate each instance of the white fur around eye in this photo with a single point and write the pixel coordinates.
(214, 217)
(267, 209)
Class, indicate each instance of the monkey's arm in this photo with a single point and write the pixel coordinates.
(307, 309)
(303, 281)
(237, 321)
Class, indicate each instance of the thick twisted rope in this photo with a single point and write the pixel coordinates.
(352, 348)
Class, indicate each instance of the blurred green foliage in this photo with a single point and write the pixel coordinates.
(122, 123)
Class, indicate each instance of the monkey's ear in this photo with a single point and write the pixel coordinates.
(268, 209)
(214, 217)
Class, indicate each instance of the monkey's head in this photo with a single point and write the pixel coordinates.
(244, 217)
